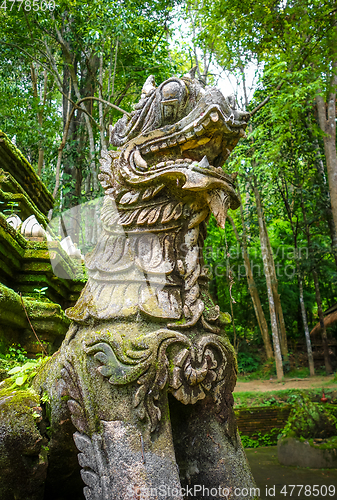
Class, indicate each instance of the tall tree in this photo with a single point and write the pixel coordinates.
(269, 277)
(96, 57)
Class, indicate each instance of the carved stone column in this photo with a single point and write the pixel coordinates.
(146, 369)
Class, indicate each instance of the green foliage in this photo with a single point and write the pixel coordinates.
(13, 208)
(248, 362)
(283, 397)
(41, 291)
(299, 373)
(21, 377)
(16, 353)
(271, 402)
(45, 398)
(265, 371)
(5, 366)
(324, 444)
(45, 58)
(311, 420)
(283, 156)
(260, 439)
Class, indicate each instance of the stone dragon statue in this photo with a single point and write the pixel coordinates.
(146, 373)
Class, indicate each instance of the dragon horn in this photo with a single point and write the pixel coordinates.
(149, 85)
(191, 73)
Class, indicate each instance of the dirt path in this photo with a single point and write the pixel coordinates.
(292, 383)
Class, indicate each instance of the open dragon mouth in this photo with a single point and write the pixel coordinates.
(206, 131)
(180, 133)
(212, 127)
(161, 186)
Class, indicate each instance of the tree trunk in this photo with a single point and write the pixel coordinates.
(261, 319)
(91, 65)
(326, 194)
(100, 104)
(89, 72)
(277, 299)
(294, 229)
(327, 123)
(305, 322)
(43, 97)
(327, 363)
(267, 271)
(71, 166)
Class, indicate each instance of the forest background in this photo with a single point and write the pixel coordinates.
(68, 70)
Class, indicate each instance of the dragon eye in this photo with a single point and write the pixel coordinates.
(172, 95)
(172, 90)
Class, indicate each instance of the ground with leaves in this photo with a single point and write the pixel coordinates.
(293, 383)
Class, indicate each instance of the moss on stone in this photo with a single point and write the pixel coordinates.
(23, 457)
(26, 209)
(13, 161)
(325, 444)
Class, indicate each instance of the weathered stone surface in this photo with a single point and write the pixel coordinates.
(26, 265)
(47, 318)
(208, 449)
(292, 451)
(21, 178)
(23, 450)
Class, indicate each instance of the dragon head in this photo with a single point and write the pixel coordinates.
(161, 185)
(179, 135)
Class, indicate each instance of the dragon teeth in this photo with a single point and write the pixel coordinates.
(154, 148)
(206, 122)
(139, 160)
(199, 130)
(181, 139)
(214, 116)
(163, 146)
(204, 162)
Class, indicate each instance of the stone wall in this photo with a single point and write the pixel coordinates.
(26, 260)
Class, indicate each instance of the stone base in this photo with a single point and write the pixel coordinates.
(291, 451)
(209, 453)
(23, 450)
(107, 391)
